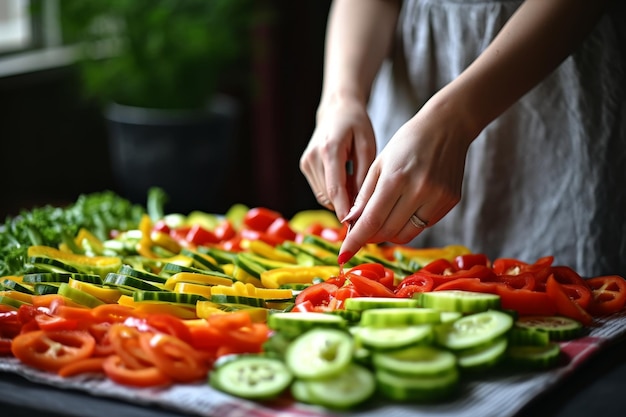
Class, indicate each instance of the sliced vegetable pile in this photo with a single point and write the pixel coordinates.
(257, 304)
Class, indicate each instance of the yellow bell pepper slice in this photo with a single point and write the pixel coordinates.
(97, 264)
(165, 241)
(268, 251)
(106, 294)
(191, 288)
(185, 313)
(305, 218)
(89, 242)
(195, 278)
(204, 309)
(17, 295)
(249, 290)
(242, 275)
(274, 278)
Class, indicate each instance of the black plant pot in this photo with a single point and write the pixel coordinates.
(186, 153)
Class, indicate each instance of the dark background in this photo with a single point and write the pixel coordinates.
(54, 142)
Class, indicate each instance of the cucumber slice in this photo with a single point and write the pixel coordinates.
(397, 316)
(11, 302)
(351, 316)
(484, 356)
(534, 357)
(366, 303)
(78, 296)
(474, 330)
(341, 392)
(417, 389)
(200, 260)
(525, 336)
(558, 327)
(36, 277)
(88, 278)
(51, 264)
(43, 288)
(114, 279)
(9, 284)
(167, 297)
(415, 361)
(221, 256)
(254, 377)
(238, 299)
(295, 323)
(458, 300)
(391, 338)
(171, 268)
(320, 353)
(300, 391)
(137, 273)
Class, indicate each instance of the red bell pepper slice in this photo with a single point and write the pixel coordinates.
(468, 260)
(526, 302)
(201, 236)
(608, 294)
(281, 230)
(260, 218)
(564, 304)
(468, 284)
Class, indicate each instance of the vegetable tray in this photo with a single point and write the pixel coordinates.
(512, 391)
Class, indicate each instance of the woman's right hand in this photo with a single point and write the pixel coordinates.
(343, 133)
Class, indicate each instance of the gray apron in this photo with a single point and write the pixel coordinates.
(548, 176)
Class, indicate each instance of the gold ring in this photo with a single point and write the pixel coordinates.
(417, 222)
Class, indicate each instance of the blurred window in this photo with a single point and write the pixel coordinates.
(31, 37)
(15, 25)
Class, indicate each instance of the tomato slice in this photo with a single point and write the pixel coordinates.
(371, 270)
(608, 294)
(564, 304)
(413, 284)
(50, 351)
(368, 287)
(318, 294)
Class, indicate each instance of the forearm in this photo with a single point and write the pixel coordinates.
(535, 40)
(359, 37)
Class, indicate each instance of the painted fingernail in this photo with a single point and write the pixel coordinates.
(344, 257)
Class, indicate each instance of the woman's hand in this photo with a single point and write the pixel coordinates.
(414, 182)
(343, 133)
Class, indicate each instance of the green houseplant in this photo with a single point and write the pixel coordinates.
(157, 66)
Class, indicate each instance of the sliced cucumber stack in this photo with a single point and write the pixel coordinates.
(474, 330)
(255, 377)
(557, 327)
(458, 300)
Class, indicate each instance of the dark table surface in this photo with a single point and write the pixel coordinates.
(596, 388)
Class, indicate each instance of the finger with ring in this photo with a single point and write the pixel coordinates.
(417, 222)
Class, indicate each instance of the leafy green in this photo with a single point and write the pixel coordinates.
(100, 213)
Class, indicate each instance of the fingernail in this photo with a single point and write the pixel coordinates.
(348, 217)
(344, 257)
